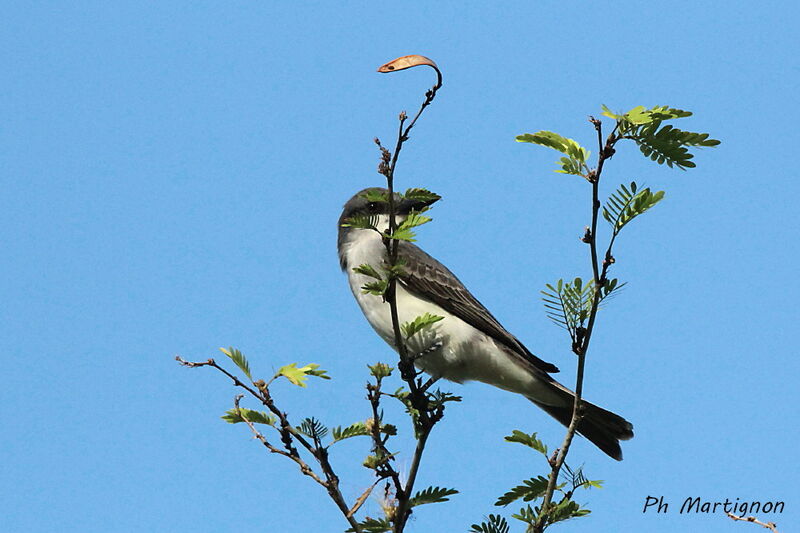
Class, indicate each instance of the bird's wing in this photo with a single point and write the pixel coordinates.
(428, 278)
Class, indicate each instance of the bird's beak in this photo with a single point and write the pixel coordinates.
(412, 204)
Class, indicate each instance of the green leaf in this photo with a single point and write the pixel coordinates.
(556, 142)
(439, 398)
(367, 270)
(380, 370)
(530, 489)
(238, 359)
(374, 461)
(626, 204)
(566, 509)
(311, 427)
(639, 115)
(668, 113)
(431, 495)
(419, 323)
(528, 440)
(495, 524)
(299, 376)
(373, 525)
(570, 166)
(234, 416)
(377, 288)
(667, 144)
(607, 112)
(568, 304)
(575, 161)
(373, 195)
(423, 195)
(526, 514)
(404, 234)
(412, 220)
(357, 429)
(362, 222)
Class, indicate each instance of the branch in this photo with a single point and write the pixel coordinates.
(772, 526)
(288, 436)
(386, 470)
(583, 336)
(304, 468)
(426, 418)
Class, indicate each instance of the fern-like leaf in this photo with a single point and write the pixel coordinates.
(568, 304)
(625, 204)
(357, 429)
(238, 359)
(565, 510)
(235, 416)
(367, 270)
(373, 525)
(419, 323)
(376, 288)
(494, 524)
(362, 222)
(423, 195)
(311, 427)
(668, 144)
(528, 440)
(431, 495)
(530, 489)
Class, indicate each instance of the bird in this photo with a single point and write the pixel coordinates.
(468, 343)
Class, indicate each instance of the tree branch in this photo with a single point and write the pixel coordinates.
(288, 436)
(583, 337)
(772, 526)
(425, 418)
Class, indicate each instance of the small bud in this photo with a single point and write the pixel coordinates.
(552, 458)
(377, 141)
(403, 115)
(587, 236)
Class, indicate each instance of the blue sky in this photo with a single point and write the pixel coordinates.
(172, 174)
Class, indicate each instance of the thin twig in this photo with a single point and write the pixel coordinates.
(417, 393)
(581, 341)
(386, 470)
(772, 526)
(304, 468)
(289, 435)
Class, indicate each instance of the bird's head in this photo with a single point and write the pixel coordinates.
(373, 204)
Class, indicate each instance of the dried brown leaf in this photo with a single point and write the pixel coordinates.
(402, 63)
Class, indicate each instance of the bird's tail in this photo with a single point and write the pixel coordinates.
(603, 428)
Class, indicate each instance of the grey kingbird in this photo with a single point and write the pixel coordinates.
(469, 344)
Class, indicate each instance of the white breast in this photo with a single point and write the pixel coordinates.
(465, 353)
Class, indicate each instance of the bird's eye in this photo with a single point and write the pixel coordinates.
(372, 206)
